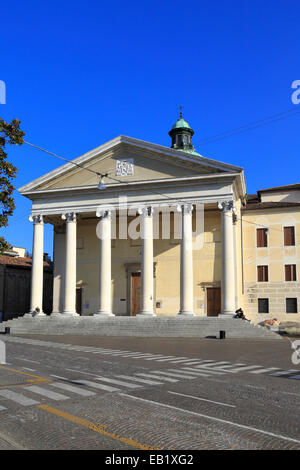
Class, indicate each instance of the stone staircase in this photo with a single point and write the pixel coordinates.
(195, 327)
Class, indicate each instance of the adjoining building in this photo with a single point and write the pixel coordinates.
(15, 283)
(142, 229)
(271, 249)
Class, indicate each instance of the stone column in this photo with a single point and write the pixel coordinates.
(70, 265)
(104, 234)
(59, 235)
(37, 270)
(147, 263)
(235, 260)
(186, 262)
(228, 278)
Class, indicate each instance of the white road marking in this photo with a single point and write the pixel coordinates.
(203, 399)
(166, 358)
(208, 361)
(107, 388)
(2, 408)
(27, 360)
(219, 420)
(296, 377)
(18, 398)
(119, 353)
(70, 388)
(136, 379)
(197, 373)
(136, 355)
(59, 377)
(175, 357)
(254, 386)
(117, 382)
(46, 393)
(203, 371)
(174, 374)
(241, 369)
(261, 371)
(152, 376)
(81, 372)
(284, 372)
(211, 363)
(191, 363)
(27, 368)
(182, 359)
(228, 367)
(154, 357)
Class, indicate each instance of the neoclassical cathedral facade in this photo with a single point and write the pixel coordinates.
(143, 229)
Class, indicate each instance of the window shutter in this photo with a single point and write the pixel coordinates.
(289, 236)
(290, 272)
(262, 274)
(259, 273)
(261, 237)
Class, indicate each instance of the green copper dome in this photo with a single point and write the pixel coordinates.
(181, 123)
(181, 135)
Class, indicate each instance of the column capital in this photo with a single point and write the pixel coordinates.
(36, 219)
(226, 205)
(145, 211)
(69, 216)
(103, 213)
(187, 208)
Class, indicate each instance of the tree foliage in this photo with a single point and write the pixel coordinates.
(10, 134)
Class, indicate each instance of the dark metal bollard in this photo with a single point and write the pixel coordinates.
(222, 334)
(7, 330)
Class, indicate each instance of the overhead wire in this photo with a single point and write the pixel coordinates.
(246, 127)
(122, 182)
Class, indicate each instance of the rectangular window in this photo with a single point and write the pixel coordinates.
(262, 274)
(263, 305)
(290, 272)
(291, 305)
(289, 236)
(261, 237)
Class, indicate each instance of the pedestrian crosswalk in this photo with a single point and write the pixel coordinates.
(71, 388)
(64, 388)
(184, 363)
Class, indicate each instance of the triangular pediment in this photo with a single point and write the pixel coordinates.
(125, 159)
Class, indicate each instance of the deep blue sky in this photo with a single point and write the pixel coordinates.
(81, 73)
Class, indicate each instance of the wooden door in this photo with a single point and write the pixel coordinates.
(213, 301)
(135, 293)
(79, 300)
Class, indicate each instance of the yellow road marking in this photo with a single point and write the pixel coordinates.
(95, 427)
(37, 379)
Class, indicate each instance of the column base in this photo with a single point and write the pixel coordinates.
(104, 313)
(185, 313)
(56, 314)
(146, 313)
(68, 314)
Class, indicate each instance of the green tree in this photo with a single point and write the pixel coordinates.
(10, 134)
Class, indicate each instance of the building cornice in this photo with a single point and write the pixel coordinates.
(178, 155)
(134, 185)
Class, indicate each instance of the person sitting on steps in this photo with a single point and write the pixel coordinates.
(240, 314)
